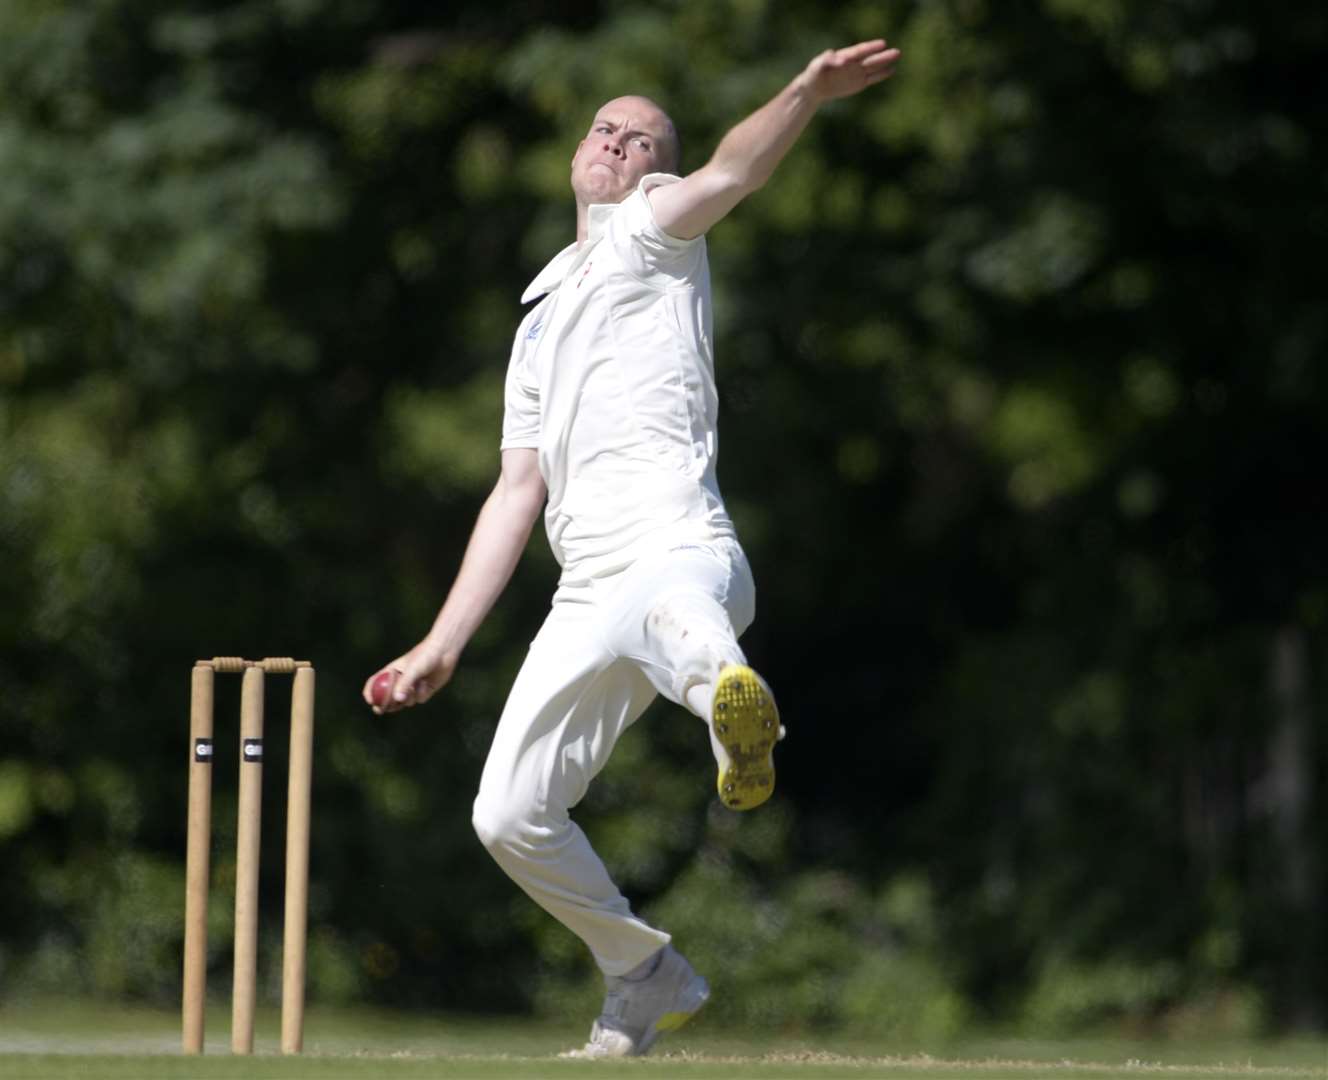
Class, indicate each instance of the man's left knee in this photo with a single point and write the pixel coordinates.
(499, 823)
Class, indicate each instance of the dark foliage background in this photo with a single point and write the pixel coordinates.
(1021, 359)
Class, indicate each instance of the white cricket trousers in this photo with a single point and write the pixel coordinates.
(666, 624)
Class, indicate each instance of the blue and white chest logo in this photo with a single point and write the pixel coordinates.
(535, 329)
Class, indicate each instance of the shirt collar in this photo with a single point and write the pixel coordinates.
(552, 275)
(598, 216)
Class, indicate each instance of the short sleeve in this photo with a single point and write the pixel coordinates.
(521, 396)
(647, 251)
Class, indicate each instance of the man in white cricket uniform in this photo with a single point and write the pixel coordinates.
(609, 426)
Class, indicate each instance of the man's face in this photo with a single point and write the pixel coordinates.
(629, 137)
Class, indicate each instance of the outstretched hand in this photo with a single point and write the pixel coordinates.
(838, 73)
(419, 674)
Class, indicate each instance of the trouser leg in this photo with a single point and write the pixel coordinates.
(569, 704)
(668, 624)
(678, 615)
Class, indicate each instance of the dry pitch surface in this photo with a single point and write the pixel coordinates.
(85, 1041)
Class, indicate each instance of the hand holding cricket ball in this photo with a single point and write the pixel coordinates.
(410, 679)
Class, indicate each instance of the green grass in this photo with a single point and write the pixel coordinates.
(44, 1040)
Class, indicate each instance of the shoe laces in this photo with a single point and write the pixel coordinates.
(605, 1042)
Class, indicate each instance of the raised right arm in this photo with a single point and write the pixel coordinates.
(747, 156)
(495, 546)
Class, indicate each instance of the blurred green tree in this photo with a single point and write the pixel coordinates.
(1039, 545)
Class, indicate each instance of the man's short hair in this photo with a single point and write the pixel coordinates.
(671, 146)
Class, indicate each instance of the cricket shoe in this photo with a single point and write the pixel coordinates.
(638, 1011)
(746, 727)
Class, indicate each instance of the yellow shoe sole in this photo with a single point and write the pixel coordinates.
(747, 726)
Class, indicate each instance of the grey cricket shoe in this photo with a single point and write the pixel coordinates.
(638, 1011)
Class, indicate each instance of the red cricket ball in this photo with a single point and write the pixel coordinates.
(381, 689)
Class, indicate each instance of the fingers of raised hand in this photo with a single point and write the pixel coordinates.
(842, 72)
(861, 51)
(880, 66)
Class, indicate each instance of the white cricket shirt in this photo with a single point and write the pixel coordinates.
(612, 380)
